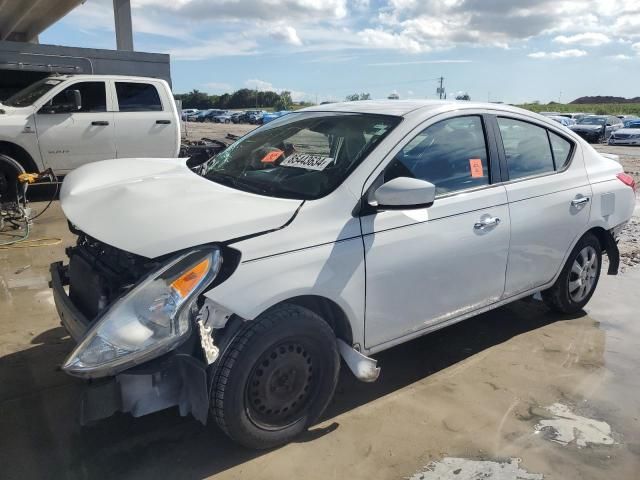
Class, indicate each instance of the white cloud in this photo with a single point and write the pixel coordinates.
(218, 87)
(215, 48)
(395, 41)
(620, 56)
(416, 62)
(285, 33)
(264, 86)
(588, 39)
(572, 53)
(636, 47)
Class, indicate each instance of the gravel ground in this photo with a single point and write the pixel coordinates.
(629, 243)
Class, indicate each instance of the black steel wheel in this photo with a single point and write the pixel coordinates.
(276, 378)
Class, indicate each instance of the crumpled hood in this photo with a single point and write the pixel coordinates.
(152, 207)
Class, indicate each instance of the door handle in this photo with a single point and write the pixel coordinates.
(486, 222)
(100, 123)
(163, 122)
(576, 202)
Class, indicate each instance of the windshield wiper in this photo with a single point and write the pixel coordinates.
(235, 182)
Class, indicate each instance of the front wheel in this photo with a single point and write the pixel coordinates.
(276, 378)
(578, 279)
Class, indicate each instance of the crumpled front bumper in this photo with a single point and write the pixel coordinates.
(177, 378)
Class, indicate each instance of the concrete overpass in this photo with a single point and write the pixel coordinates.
(23, 60)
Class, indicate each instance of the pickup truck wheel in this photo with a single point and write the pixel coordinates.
(277, 377)
(578, 279)
(9, 171)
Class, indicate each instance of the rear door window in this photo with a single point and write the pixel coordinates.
(526, 147)
(138, 97)
(451, 154)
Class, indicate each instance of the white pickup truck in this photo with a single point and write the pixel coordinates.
(64, 121)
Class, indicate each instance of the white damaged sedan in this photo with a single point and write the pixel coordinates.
(333, 232)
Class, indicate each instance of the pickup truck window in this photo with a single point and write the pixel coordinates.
(93, 95)
(138, 97)
(33, 92)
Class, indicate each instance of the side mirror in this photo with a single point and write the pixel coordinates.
(72, 103)
(404, 193)
(74, 99)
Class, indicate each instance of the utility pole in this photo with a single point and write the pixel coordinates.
(440, 90)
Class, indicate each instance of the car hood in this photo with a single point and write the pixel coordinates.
(628, 131)
(152, 207)
(586, 128)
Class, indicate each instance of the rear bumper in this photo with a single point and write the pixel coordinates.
(71, 318)
(624, 141)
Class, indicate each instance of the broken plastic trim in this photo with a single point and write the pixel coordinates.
(363, 367)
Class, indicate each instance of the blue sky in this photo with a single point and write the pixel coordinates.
(505, 50)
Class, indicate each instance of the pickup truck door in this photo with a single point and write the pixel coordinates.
(68, 139)
(426, 267)
(145, 122)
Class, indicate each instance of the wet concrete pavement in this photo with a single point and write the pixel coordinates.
(478, 395)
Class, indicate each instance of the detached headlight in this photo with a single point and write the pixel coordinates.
(149, 320)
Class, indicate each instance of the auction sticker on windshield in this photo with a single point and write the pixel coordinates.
(305, 160)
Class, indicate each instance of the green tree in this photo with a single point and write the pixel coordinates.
(284, 102)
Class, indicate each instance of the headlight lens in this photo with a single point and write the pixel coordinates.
(149, 320)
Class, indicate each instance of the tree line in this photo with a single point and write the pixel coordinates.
(243, 98)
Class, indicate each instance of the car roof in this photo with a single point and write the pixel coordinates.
(401, 108)
(109, 77)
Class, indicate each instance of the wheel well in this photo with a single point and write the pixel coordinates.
(609, 246)
(330, 311)
(20, 155)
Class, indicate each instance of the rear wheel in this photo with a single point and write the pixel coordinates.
(276, 378)
(578, 279)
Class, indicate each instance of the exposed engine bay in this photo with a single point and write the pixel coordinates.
(99, 273)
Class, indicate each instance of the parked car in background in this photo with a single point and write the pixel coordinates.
(198, 117)
(252, 116)
(269, 116)
(597, 128)
(550, 114)
(624, 118)
(64, 121)
(189, 112)
(337, 231)
(566, 121)
(574, 116)
(223, 117)
(236, 117)
(628, 135)
(211, 114)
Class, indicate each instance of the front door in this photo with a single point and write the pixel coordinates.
(69, 139)
(427, 266)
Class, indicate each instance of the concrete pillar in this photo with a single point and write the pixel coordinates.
(124, 30)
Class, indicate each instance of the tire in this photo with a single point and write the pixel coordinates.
(576, 284)
(276, 378)
(9, 171)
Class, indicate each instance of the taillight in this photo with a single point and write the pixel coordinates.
(627, 180)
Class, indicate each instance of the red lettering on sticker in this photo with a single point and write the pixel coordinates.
(272, 156)
(476, 167)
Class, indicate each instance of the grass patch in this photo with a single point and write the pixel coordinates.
(596, 108)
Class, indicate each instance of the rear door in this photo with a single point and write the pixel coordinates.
(549, 199)
(144, 121)
(431, 265)
(68, 139)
